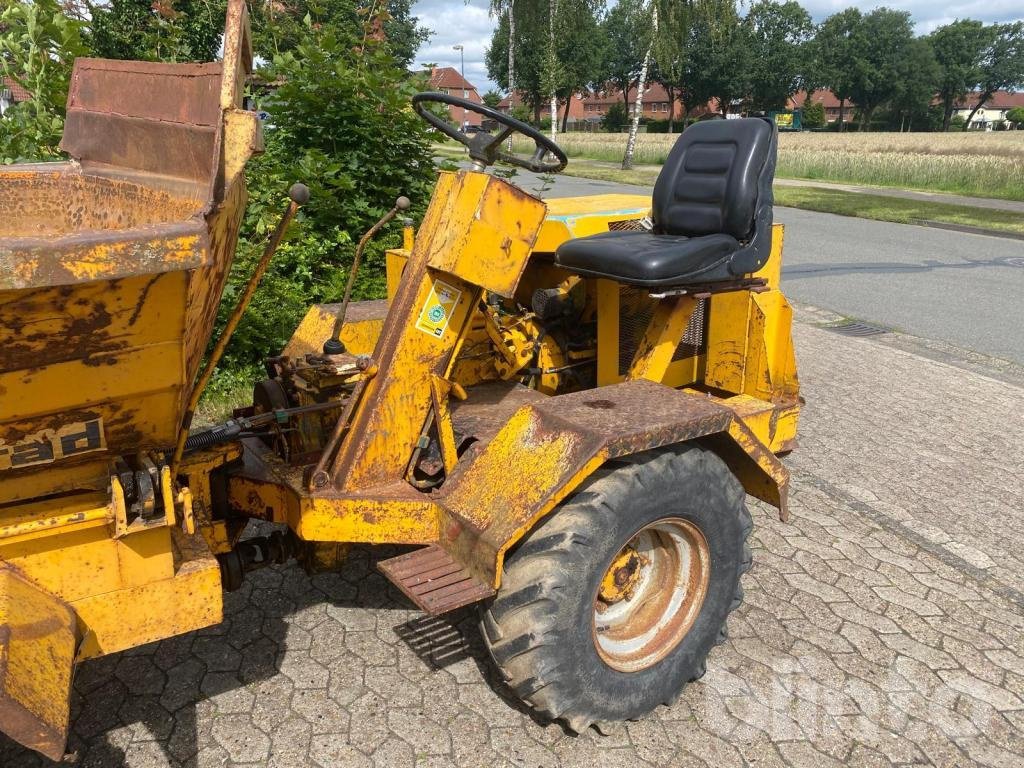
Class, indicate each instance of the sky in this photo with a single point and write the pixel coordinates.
(467, 23)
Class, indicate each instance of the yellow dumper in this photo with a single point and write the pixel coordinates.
(560, 407)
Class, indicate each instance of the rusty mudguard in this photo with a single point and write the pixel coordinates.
(548, 447)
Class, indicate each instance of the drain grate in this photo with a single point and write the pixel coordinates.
(853, 328)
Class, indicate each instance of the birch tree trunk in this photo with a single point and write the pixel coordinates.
(638, 104)
(552, 63)
(511, 62)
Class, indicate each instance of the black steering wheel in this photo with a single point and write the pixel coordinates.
(484, 148)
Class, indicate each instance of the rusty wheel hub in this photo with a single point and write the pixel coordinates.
(651, 594)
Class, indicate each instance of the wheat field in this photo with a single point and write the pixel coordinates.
(982, 164)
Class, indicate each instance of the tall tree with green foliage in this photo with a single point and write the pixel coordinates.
(959, 48)
(167, 30)
(722, 58)
(530, 24)
(579, 48)
(887, 35)
(280, 27)
(841, 46)
(673, 20)
(1002, 64)
(778, 34)
(916, 83)
(38, 45)
(627, 31)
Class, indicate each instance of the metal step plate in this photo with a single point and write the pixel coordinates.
(435, 581)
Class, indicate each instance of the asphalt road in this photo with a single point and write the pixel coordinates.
(964, 289)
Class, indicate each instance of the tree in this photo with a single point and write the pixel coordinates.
(528, 59)
(616, 118)
(507, 9)
(813, 114)
(279, 27)
(670, 61)
(530, 22)
(958, 49)
(916, 83)
(627, 30)
(721, 56)
(578, 51)
(167, 30)
(839, 45)
(1016, 116)
(887, 35)
(679, 16)
(38, 45)
(641, 83)
(492, 99)
(1002, 63)
(778, 34)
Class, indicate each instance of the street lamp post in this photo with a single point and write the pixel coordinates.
(462, 71)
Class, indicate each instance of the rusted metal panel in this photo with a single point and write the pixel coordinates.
(552, 446)
(111, 269)
(54, 199)
(484, 232)
(119, 115)
(38, 641)
(363, 323)
(433, 580)
(489, 407)
(82, 258)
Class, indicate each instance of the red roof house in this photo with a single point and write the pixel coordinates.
(11, 93)
(448, 80)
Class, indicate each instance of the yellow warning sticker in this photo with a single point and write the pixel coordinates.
(438, 309)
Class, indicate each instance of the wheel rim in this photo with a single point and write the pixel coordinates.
(651, 594)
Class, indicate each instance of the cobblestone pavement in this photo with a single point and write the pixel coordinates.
(884, 625)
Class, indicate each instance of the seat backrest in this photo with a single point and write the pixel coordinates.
(713, 178)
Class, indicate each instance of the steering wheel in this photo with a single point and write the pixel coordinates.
(484, 148)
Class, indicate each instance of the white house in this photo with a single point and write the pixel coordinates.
(992, 111)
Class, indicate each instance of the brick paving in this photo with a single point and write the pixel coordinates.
(884, 625)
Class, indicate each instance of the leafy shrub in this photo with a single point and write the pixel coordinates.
(342, 124)
(813, 115)
(616, 118)
(38, 45)
(1016, 116)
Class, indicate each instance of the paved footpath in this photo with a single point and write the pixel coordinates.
(884, 625)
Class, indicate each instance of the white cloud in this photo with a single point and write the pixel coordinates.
(467, 22)
(454, 22)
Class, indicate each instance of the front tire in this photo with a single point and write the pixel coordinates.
(612, 604)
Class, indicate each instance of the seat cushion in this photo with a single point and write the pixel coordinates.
(709, 183)
(645, 259)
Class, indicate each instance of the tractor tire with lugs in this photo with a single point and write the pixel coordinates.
(613, 603)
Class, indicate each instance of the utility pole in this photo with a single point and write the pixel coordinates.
(462, 71)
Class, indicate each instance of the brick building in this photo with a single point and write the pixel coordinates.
(11, 93)
(448, 80)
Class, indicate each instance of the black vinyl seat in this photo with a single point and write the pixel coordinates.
(712, 213)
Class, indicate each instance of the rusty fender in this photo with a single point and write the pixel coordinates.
(548, 448)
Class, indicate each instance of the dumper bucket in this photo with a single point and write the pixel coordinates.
(111, 269)
(112, 265)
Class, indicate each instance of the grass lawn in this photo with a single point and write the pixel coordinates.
(885, 208)
(975, 164)
(865, 206)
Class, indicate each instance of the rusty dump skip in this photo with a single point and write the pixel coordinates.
(112, 264)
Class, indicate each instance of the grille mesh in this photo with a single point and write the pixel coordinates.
(635, 310)
(627, 225)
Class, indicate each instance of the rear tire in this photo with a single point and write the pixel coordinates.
(561, 632)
